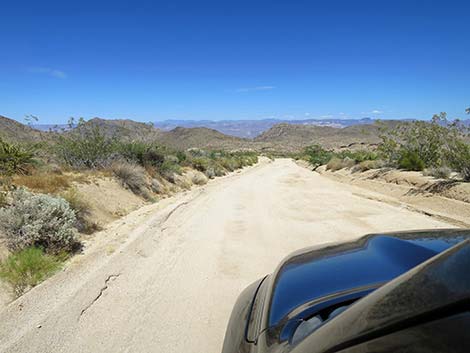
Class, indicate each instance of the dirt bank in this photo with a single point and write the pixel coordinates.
(448, 200)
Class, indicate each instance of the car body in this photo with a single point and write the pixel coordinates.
(381, 293)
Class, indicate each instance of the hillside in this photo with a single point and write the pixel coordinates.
(253, 128)
(13, 131)
(295, 136)
(200, 137)
(285, 137)
(124, 129)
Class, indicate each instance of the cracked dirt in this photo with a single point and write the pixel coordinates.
(165, 277)
(106, 282)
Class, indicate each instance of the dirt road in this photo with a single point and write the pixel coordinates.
(164, 278)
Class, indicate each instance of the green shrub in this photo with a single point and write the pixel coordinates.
(419, 144)
(458, 157)
(154, 156)
(38, 220)
(169, 168)
(181, 157)
(317, 156)
(86, 148)
(358, 156)
(132, 151)
(228, 163)
(410, 160)
(200, 163)
(15, 159)
(132, 176)
(27, 268)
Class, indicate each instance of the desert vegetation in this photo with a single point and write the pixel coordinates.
(439, 148)
(43, 214)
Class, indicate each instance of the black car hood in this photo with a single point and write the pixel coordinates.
(360, 266)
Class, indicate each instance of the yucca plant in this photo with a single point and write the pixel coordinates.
(15, 158)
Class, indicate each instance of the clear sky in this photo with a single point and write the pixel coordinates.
(173, 59)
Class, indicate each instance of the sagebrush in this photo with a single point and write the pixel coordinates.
(38, 220)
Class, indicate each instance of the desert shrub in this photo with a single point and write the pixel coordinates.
(317, 155)
(337, 163)
(358, 156)
(169, 168)
(155, 156)
(417, 140)
(86, 148)
(43, 182)
(210, 173)
(27, 268)
(3, 199)
(15, 159)
(181, 157)
(38, 220)
(417, 145)
(196, 152)
(200, 163)
(367, 165)
(228, 163)
(438, 172)
(82, 210)
(132, 151)
(218, 169)
(131, 176)
(458, 157)
(334, 164)
(410, 160)
(246, 158)
(199, 178)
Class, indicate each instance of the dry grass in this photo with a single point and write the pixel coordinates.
(367, 165)
(50, 182)
(133, 177)
(44, 183)
(336, 164)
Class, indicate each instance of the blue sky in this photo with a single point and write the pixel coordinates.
(234, 59)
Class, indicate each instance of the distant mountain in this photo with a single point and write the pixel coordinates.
(178, 138)
(201, 137)
(253, 128)
(297, 136)
(330, 133)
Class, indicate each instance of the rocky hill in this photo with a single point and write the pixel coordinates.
(200, 137)
(285, 137)
(296, 136)
(124, 129)
(13, 131)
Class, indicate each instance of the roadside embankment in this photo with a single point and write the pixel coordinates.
(444, 199)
